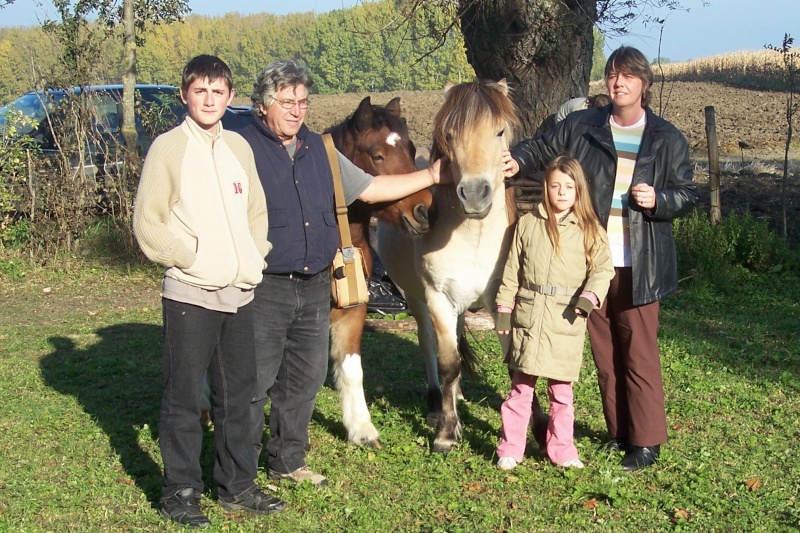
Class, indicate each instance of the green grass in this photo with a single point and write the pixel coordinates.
(79, 356)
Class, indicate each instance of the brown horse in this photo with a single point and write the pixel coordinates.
(458, 264)
(376, 139)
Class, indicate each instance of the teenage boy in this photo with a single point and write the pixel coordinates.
(201, 212)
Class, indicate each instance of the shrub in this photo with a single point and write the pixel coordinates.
(737, 245)
(15, 151)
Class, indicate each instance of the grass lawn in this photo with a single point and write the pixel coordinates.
(81, 385)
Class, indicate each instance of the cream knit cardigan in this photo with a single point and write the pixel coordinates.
(200, 209)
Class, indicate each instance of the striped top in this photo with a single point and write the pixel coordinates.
(627, 140)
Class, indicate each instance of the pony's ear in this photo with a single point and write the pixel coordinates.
(363, 115)
(447, 86)
(393, 107)
(504, 86)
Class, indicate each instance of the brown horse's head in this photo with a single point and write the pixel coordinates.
(375, 138)
(474, 126)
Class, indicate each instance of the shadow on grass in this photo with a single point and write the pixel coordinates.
(117, 381)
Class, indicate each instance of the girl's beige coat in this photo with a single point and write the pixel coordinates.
(548, 336)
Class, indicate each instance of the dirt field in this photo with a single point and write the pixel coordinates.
(751, 177)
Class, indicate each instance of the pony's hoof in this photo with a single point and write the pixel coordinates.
(373, 444)
(442, 446)
(367, 437)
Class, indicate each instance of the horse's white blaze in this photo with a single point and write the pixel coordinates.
(355, 415)
(393, 138)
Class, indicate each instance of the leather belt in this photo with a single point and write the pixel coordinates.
(293, 275)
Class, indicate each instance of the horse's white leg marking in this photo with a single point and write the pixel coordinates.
(355, 415)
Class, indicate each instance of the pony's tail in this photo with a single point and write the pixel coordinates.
(470, 364)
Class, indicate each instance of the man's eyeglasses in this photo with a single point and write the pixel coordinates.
(289, 104)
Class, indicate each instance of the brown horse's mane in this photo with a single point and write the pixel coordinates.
(382, 117)
(467, 104)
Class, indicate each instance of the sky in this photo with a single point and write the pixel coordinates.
(720, 27)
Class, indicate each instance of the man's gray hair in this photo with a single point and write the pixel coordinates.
(277, 75)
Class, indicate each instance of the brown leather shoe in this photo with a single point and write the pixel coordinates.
(640, 457)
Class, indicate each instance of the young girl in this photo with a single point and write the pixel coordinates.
(558, 270)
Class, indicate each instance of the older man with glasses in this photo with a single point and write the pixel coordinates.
(292, 304)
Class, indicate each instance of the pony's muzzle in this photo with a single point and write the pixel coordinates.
(475, 196)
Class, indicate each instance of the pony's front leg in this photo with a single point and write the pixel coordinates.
(427, 345)
(445, 324)
(347, 328)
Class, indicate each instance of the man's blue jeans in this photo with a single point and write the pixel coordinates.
(197, 339)
(292, 317)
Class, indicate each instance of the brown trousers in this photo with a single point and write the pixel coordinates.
(624, 341)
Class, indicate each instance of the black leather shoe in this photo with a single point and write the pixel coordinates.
(618, 445)
(640, 457)
(255, 501)
(183, 507)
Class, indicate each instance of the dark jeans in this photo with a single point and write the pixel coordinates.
(196, 340)
(292, 317)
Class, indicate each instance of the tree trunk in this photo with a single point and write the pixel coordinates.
(543, 48)
(129, 79)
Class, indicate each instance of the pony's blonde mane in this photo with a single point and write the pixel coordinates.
(467, 104)
(482, 102)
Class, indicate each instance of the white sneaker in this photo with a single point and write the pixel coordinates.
(572, 463)
(506, 463)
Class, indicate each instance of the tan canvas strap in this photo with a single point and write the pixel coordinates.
(547, 290)
(338, 192)
(345, 241)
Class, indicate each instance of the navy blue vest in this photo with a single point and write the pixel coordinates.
(300, 202)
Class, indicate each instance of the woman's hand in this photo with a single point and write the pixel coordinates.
(644, 196)
(510, 165)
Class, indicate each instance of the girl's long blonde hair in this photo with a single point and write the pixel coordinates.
(593, 233)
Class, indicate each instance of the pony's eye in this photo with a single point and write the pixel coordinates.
(502, 132)
(448, 137)
(377, 157)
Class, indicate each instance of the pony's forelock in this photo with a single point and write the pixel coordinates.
(470, 103)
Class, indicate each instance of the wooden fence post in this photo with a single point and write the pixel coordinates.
(713, 165)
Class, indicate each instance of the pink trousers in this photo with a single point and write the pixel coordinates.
(516, 414)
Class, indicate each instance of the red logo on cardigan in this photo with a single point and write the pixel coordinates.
(237, 187)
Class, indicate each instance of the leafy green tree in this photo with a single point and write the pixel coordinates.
(84, 26)
(598, 55)
(791, 79)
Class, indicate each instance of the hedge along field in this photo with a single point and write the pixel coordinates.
(80, 359)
